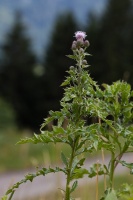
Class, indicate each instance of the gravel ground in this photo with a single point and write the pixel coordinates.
(44, 185)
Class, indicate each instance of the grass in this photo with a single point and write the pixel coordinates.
(86, 191)
(17, 157)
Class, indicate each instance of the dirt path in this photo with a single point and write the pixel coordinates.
(44, 185)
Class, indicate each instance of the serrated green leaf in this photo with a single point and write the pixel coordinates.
(4, 197)
(58, 130)
(30, 177)
(95, 144)
(66, 82)
(44, 137)
(75, 184)
(77, 164)
(81, 162)
(60, 121)
(97, 168)
(128, 165)
(70, 139)
(126, 192)
(111, 196)
(64, 159)
(72, 57)
(46, 122)
(9, 191)
(74, 164)
(79, 173)
(25, 140)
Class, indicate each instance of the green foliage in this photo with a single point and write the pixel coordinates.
(97, 169)
(128, 165)
(111, 196)
(30, 177)
(4, 197)
(34, 155)
(112, 130)
(125, 192)
(75, 184)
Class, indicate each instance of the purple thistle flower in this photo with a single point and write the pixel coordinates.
(80, 35)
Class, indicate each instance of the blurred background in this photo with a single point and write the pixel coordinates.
(35, 37)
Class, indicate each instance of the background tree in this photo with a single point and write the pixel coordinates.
(19, 84)
(55, 61)
(111, 42)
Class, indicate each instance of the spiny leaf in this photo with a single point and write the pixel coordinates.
(111, 196)
(66, 82)
(126, 192)
(95, 145)
(128, 165)
(47, 137)
(30, 177)
(79, 173)
(75, 163)
(58, 130)
(47, 121)
(75, 184)
(72, 57)
(64, 159)
(97, 168)
(4, 197)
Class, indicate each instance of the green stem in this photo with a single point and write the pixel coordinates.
(112, 169)
(67, 194)
(69, 171)
(118, 158)
(79, 63)
(11, 195)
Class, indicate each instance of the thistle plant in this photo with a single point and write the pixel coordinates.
(112, 129)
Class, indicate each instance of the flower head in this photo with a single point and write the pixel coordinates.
(80, 35)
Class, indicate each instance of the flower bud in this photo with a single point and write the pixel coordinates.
(86, 43)
(80, 43)
(72, 67)
(81, 50)
(75, 42)
(74, 47)
(84, 62)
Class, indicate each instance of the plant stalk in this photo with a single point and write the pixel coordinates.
(11, 195)
(97, 180)
(112, 169)
(103, 160)
(68, 189)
